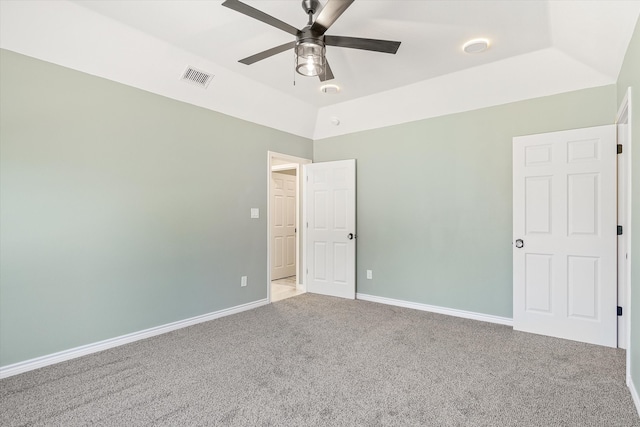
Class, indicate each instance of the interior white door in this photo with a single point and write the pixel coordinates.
(564, 231)
(283, 228)
(330, 215)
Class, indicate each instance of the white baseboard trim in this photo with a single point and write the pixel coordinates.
(435, 309)
(634, 393)
(50, 359)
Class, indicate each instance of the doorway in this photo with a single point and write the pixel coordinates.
(284, 234)
(332, 210)
(284, 225)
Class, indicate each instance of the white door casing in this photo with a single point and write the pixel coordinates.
(623, 121)
(330, 216)
(564, 215)
(622, 260)
(283, 222)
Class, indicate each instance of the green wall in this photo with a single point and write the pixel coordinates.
(435, 198)
(630, 77)
(121, 210)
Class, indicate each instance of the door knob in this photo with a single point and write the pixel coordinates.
(351, 236)
(519, 243)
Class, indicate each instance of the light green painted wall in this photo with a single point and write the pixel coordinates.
(120, 209)
(434, 198)
(630, 77)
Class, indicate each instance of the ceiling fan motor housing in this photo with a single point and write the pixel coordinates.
(310, 6)
(307, 35)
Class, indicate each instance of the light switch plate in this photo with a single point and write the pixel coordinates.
(255, 213)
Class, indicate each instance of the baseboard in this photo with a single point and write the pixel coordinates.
(634, 393)
(435, 309)
(50, 359)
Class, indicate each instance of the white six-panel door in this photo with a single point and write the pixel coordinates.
(283, 232)
(330, 214)
(564, 235)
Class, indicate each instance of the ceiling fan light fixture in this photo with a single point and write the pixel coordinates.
(476, 45)
(309, 58)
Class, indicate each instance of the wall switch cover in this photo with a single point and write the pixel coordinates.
(255, 213)
(243, 281)
(369, 274)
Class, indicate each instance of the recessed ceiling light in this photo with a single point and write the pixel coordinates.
(330, 88)
(476, 45)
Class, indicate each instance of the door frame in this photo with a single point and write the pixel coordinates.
(624, 117)
(291, 162)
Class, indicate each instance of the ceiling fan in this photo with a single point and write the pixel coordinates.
(311, 41)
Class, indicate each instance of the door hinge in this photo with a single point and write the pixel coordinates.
(307, 225)
(619, 148)
(307, 271)
(619, 230)
(619, 311)
(307, 178)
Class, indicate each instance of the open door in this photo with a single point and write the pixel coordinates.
(330, 216)
(284, 190)
(564, 230)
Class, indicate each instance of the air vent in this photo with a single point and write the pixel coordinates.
(197, 77)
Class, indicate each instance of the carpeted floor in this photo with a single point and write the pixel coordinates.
(322, 361)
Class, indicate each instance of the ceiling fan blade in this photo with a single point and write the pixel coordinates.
(329, 14)
(260, 16)
(267, 53)
(328, 74)
(385, 46)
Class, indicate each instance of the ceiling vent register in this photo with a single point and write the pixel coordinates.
(197, 77)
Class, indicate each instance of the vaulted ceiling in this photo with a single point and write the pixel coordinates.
(537, 48)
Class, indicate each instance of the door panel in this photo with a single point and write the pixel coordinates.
(582, 285)
(564, 194)
(538, 205)
(538, 282)
(330, 208)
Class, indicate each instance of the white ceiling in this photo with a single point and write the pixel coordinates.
(538, 48)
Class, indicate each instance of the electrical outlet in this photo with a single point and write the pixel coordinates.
(369, 274)
(243, 281)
